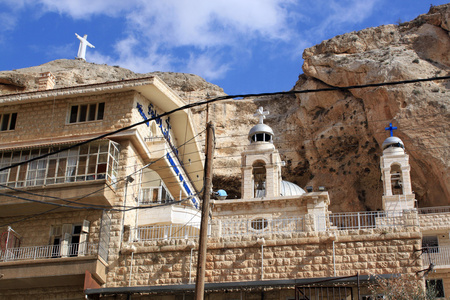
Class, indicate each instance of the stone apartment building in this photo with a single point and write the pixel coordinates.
(125, 219)
(63, 216)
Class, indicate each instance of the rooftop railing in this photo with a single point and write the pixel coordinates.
(362, 220)
(434, 210)
(261, 226)
(439, 256)
(48, 251)
(167, 232)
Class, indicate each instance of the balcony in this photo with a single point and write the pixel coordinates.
(51, 265)
(368, 220)
(21, 202)
(48, 251)
(85, 174)
(439, 256)
(167, 232)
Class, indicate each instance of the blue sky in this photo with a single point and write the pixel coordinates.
(244, 46)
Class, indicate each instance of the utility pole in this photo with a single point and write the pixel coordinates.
(203, 241)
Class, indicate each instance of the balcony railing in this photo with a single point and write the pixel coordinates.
(167, 232)
(439, 256)
(362, 220)
(261, 226)
(434, 210)
(48, 251)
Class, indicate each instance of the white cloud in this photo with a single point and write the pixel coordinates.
(207, 66)
(80, 9)
(149, 60)
(341, 13)
(156, 29)
(197, 35)
(7, 22)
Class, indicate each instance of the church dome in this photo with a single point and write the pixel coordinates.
(392, 141)
(260, 133)
(290, 189)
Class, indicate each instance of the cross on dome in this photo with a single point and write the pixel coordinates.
(391, 129)
(261, 114)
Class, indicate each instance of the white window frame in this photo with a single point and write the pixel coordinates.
(88, 162)
(64, 233)
(147, 192)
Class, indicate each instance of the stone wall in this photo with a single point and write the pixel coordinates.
(434, 222)
(66, 292)
(286, 256)
(36, 231)
(49, 119)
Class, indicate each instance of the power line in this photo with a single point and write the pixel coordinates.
(188, 106)
(99, 190)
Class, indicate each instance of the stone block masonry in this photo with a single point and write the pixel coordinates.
(286, 256)
(36, 231)
(49, 119)
(434, 222)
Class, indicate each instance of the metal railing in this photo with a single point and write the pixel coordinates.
(433, 210)
(362, 220)
(262, 226)
(439, 256)
(48, 251)
(167, 232)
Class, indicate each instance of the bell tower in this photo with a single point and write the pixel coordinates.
(395, 174)
(261, 162)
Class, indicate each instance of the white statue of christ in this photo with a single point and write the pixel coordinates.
(82, 47)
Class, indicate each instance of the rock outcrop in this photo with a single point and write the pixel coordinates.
(333, 139)
(71, 72)
(329, 139)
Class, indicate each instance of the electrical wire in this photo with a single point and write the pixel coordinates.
(221, 98)
(225, 98)
(99, 190)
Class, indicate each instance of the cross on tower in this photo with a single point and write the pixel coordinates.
(261, 114)
(391, 129)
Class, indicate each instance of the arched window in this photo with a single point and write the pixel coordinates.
(259, 178)
(396, 180)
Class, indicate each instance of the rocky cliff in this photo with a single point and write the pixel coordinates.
(330, 139)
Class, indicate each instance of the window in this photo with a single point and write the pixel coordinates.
(430, 243)
(160, 194)
(8, 121)
(86, 112)
(69, 239)
(97, 160)
(437, 285)
(259, 224)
